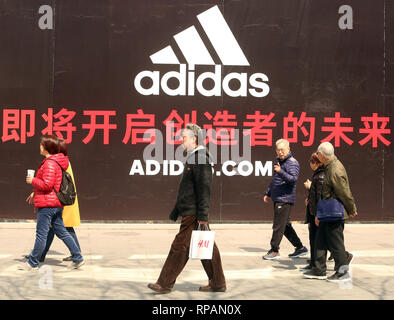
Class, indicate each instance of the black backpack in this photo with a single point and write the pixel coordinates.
(66, 194)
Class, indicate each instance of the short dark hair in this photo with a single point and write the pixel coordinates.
(63, 146)
(314, 158)
(50, 143)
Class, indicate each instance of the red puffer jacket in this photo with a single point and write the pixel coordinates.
(49, 176)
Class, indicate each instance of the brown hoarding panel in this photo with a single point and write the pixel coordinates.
(320, 76)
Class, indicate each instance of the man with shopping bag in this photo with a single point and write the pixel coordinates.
(192, 205)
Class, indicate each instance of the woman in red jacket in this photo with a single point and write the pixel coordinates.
(70, 213)
(46, 183)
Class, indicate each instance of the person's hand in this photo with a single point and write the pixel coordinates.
(29, 179)
(307, 184)
(266, 199)
(353, 215)
(277, 167)
(30, 199)
(316, 222)
(306, 202)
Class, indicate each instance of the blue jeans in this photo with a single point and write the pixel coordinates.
(51, 235)
(45, 218)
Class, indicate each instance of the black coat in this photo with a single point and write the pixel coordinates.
(314, 194)
(194, 192)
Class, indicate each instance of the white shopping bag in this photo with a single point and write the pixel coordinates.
(201, 245)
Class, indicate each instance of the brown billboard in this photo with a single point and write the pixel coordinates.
(119, 79)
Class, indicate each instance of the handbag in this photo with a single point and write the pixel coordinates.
(201, 244)
(330, 210)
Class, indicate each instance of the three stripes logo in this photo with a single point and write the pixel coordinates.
(196, 53)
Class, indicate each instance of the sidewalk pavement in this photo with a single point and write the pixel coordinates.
(121, 259)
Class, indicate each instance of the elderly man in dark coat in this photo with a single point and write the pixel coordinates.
(330, 233)
(192, 205)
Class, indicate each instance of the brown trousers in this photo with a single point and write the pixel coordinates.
(179, 255)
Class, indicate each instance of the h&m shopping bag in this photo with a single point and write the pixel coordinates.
(201, 244)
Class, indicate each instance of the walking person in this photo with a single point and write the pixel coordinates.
(330, 233)
(192, 205)
(282, 191)
(71, 217)
(314, 188)
(49, 209)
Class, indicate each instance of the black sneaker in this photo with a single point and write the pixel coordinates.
(306, 268)
(312, 274)
(299, 252)
(339, 277)
(331, 257)
(350, 258)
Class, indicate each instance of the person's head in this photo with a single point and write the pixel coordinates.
(325, 152)
(63, 146)
(191, 136)
(282, 148)
(314, 161)
(49, 145)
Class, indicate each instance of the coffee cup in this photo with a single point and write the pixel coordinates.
(30, 173)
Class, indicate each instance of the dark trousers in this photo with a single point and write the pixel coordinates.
(51, 235)
(312, 239)
(282, 226)
(330, 237)
(179, 255)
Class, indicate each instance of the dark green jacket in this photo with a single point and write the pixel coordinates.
(336, 185)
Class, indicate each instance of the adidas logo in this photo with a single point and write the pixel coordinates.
(196, 53)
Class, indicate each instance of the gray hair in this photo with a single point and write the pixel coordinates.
(194, 131)
(327, 149)
(284, 141)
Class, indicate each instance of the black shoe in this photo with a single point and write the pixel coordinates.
(306, 268)
(312, 274)
(339, 277)
(350, 258)
(299, 252)
(70, 258)
(330, 258)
